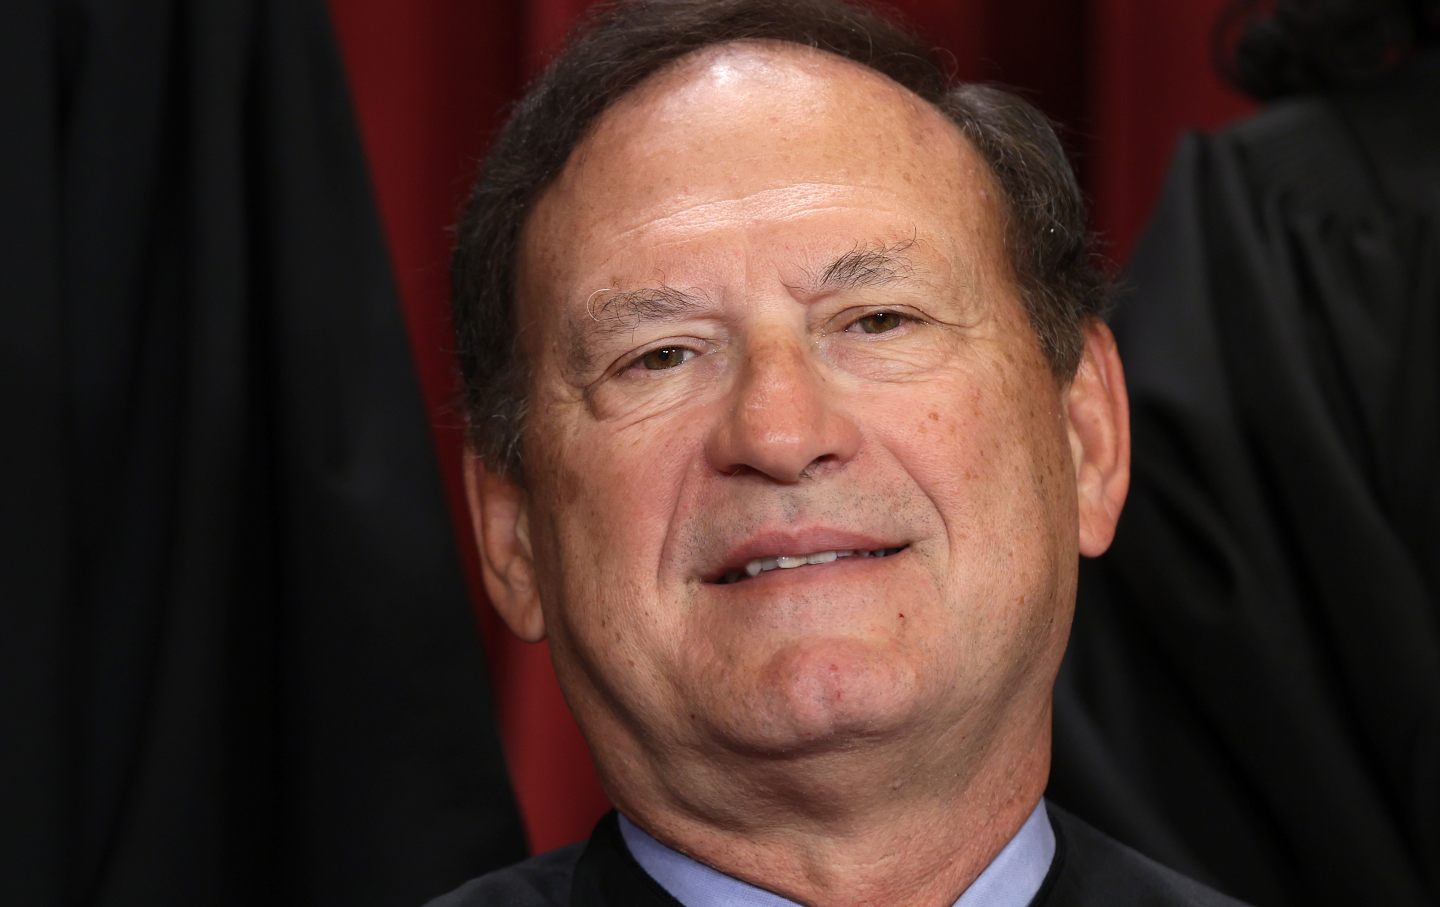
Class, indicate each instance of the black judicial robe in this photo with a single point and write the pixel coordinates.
(237, 659)
(1089, 870)
(1252, 692)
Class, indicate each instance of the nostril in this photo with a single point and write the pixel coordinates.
(819, 466)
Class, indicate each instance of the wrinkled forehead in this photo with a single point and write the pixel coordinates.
(751, 129)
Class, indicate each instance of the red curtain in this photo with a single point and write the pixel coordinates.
(431, 80)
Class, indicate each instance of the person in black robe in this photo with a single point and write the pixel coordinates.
(1252, 694)
(237, 660)
(1088, 870)
(664, 284)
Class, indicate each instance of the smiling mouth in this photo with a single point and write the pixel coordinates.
(761, 565)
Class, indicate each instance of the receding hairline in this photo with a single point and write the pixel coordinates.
(920, 112)
(674, 74)
(792, 52)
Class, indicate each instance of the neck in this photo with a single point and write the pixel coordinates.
(854, 827)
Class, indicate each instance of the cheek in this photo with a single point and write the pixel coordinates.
(954, 437)
(602, 475)
(607, 502)
(609, 496)
(989, 450)
(991, 458)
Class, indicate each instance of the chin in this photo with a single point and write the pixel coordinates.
(822, 694)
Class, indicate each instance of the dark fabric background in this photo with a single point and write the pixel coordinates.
(237, 659)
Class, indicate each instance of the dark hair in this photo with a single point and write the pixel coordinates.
(621, 44)
(1273, 48)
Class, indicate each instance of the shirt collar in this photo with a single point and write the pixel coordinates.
(1011, 880)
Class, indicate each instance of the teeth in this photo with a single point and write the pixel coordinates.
(765, 564)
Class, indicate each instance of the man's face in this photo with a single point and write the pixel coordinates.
(770, 323)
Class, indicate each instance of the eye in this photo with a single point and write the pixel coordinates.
(879, 322)
(665, 357)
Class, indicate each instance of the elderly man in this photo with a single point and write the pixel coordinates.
(792, 413)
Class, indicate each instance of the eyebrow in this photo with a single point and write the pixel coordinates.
(610, 312)
(620, 308)
(878, 264)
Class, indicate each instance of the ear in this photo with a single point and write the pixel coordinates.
(1098, 415)
(500, 514)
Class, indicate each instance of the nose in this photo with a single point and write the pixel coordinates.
(785, 418)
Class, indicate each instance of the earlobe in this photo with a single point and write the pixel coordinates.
(1098, 414)
(499, 512)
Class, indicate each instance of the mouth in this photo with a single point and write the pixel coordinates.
(760, 565)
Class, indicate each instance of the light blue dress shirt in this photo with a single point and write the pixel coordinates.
(1011, 880)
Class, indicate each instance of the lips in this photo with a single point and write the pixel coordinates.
(767, 552)
(759, 565)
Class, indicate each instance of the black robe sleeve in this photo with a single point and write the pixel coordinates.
(1252, 694)
(237, 661)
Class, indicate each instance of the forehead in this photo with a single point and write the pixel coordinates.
(747, 134)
